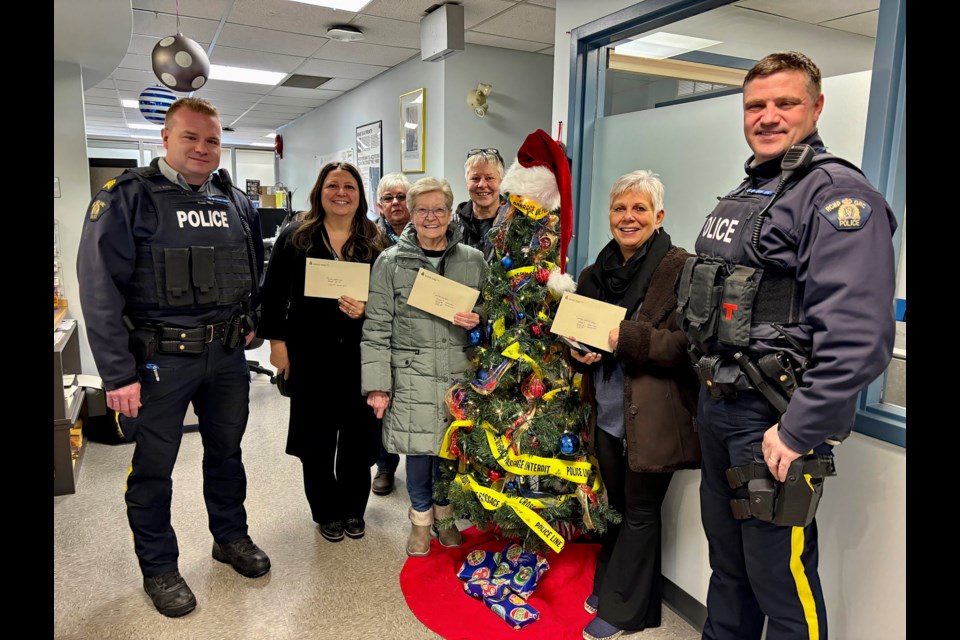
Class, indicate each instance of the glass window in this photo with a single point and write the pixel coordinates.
(255, 165)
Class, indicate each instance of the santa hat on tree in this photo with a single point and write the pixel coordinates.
(541, 172)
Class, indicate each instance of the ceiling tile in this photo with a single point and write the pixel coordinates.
(548, 51)
(811, 11)
(545, 3)
(407, 10)
(211, 9)
(161, 25)
(524, 22)
(255, 59)
(864, 24)
(145, 78)
(342, 84)
(133, 61)
(296, 101)
(394, 33)
(291, 110)
(364, 53)
(315, 94)
(237, 87)
(488, 40)
(269, 39)
(334, 69)
(292, 17)
(100, 93)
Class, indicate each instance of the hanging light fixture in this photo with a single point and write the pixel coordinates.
(179, 62)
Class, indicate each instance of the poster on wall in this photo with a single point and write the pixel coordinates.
(369, 152)
(343, 155)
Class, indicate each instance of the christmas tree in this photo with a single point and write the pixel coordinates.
(516, 453)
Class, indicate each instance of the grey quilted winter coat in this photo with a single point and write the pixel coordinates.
(409, 353)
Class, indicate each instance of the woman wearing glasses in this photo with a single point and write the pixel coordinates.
(317, 340)
(392, 206)
(410, 358)
(484, 171)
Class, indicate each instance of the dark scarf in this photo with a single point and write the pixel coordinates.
(624, 284)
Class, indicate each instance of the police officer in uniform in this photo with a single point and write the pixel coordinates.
(168, 265)
(789, 310)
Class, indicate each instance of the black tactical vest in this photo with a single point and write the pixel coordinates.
(197, 257)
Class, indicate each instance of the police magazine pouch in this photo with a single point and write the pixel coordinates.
(176, 276)
(736, 305)
(698, 295)
(203, 274)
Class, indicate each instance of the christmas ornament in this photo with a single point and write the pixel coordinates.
(568, 443)
(154, 103)
(542, 275)
(532, 387)
(536, 330)
(475, 337)
(180, 63)
(494, 475)
(506, 262)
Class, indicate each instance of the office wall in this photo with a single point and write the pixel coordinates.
(71, 166)
(519, 104)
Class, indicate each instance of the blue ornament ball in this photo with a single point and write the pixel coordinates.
(154, 102)
(475, 337)
(521, 315)
(512, 486)
(180, 63)
(506, 261)
(569, 443)
(482, 374)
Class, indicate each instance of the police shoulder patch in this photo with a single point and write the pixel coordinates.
(847, 214)
(97, 209)
(109, 185)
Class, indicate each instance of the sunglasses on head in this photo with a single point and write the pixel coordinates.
(485, 152)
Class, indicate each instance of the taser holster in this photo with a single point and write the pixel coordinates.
(787, 504)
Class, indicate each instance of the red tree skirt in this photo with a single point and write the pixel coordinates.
(436, 596)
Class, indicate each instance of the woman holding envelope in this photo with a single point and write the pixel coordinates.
(412, 356)
(643, 393)
(315, 346)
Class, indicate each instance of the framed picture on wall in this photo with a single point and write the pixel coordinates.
(369, 164)
(413, 152)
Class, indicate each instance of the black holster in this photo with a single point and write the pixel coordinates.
(143, 342)
(234, 332)
(787, 504)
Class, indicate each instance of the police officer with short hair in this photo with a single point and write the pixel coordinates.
(788, 307)
(168, 265)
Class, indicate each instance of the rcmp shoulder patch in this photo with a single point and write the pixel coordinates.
(847, 214)
(97, 209)
(109, 185)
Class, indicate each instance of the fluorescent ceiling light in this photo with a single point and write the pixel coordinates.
(131, 104)
(251, 76)
(155, 127)
(261, 144)
(272, 134)
(663, 45)
(140, 136)
(410, 125)
(345, 5)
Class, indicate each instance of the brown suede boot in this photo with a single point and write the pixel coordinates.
(418, 544)
(447, 533)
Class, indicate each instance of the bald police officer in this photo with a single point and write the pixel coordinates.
(169, 262)
(789, 310)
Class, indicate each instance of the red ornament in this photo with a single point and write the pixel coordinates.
(536, 329)
(537, 388)
(494, 475)
(542, 275)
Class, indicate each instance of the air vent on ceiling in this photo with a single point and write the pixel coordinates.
(304, 82)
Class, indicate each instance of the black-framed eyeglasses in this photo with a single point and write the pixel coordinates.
(485, 152)
(388, 198)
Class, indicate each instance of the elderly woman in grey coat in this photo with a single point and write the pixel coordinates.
(410, 358)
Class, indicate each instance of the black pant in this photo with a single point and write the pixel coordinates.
(628, 577)
(759, 569)
(217, 381)
(336, 471)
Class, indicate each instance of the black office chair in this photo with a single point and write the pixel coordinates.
(254, 365)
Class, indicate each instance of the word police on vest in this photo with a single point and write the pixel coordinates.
(720, 229)
(203, 218)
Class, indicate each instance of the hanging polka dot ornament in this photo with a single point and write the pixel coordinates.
(180, 63)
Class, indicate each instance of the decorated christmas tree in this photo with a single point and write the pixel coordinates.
(516, 452)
